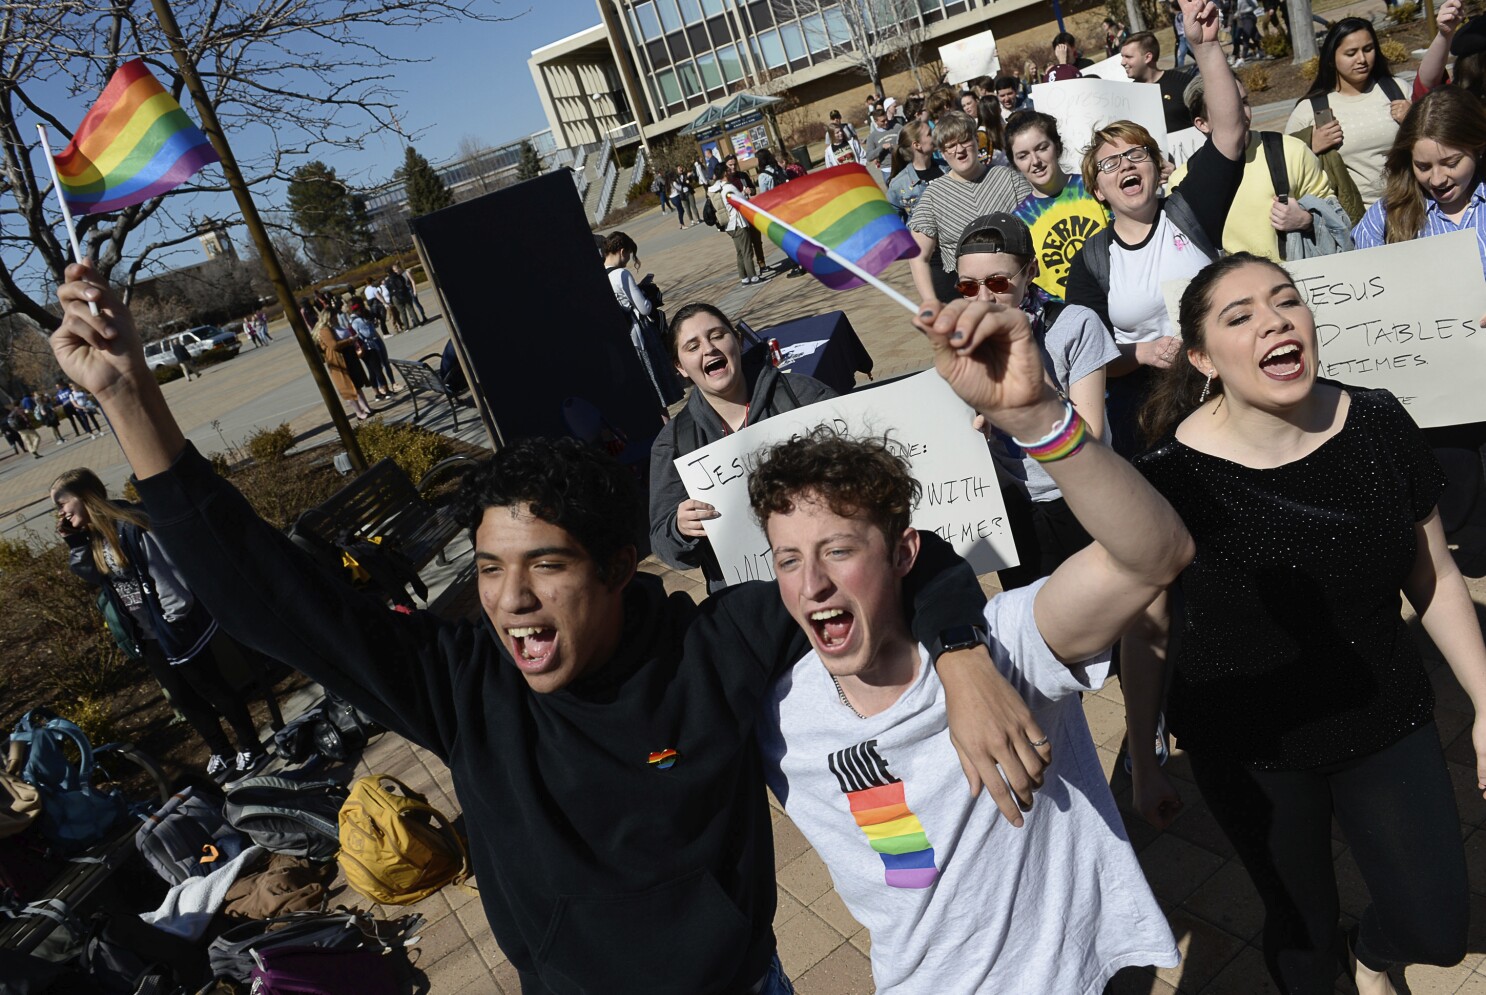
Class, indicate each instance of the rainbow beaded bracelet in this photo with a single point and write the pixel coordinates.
(1067, 437)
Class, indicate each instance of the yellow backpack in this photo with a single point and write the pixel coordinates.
(395, 847)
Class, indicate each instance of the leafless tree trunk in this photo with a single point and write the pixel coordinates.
(1302, 30)
(289, 76)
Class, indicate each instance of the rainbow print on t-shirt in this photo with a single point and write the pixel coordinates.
(880, 808)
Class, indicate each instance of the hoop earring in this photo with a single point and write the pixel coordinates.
(1207, 389)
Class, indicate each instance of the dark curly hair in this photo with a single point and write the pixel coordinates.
(852, 476)
(571, 484)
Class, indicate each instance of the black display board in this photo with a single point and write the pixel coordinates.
(532, 313)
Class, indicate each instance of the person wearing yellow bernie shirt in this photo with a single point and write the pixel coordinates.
(1257, 221)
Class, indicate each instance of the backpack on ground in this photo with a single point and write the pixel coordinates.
(287, 816)
(237, 953)
(395, 847)
(187, 838)
(74, 814)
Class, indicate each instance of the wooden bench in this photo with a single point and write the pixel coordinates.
(420, 377)
(384, 503)
(25, 930)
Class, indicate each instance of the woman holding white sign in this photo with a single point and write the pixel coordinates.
(1297, 689)
(708, 351)
(1119, 271)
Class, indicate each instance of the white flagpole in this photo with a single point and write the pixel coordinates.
(845, 263)
(51, 164)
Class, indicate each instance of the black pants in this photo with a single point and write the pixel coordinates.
(198, 689)
(1045, 532)
(1398, 814)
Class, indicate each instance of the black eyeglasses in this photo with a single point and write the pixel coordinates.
(1110, 163)
(970, 287)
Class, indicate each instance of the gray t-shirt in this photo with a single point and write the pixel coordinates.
(949, 204)
(958, 901)
(1077, 345)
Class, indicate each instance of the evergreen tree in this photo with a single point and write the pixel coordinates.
(333, 220)
(530, 166)
(426, 191)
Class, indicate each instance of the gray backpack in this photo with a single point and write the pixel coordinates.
(187, 838)
(297, 818)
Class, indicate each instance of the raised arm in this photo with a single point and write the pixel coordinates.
(1432, 67)
(1230, 134)
(988, 354)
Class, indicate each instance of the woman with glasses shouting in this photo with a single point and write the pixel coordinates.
(996, 262)
(1119, 271)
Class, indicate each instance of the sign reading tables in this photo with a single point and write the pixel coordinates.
(923, 421)
(1085, 105)
(1404, 316)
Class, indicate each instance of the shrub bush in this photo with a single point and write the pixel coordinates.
(1395, 51)
(93, 716)
(640, 189)
(268, 444)
(1275, 45)
(1309, 68)
(1255, 79)
(413, 449)
(1403, 13)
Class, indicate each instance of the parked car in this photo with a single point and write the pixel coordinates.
(203, 341)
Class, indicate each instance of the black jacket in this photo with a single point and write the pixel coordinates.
(599, 871)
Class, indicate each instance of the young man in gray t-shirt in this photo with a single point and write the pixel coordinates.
(856, 743)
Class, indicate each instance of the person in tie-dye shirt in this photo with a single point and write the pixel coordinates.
(1060, 212)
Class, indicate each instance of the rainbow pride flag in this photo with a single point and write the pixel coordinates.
(841, 208)
(136, 143)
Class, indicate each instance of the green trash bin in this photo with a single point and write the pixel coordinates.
(801, 155)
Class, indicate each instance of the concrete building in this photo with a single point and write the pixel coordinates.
(672, 58)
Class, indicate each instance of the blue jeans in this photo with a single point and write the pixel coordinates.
(775, 982)
(1183, 50)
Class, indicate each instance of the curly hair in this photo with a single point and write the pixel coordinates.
(575, 486)
(852, 477)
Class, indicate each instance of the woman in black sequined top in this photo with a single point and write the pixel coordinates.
(1297, 690)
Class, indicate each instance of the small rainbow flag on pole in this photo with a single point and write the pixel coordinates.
(837, 224)
(136, 143)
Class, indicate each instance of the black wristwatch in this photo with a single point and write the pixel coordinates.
(959, 637)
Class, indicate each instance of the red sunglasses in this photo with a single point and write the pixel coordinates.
(970, 287)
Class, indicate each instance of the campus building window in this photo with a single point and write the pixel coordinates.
(710, 7)
(836, 25)
(649, 24)
(669, 19)
(772, 49)
(691, 11)
(669, 88)
(711, 75)
(816, 38)
(691, 85)
(732, 65)
(794, 41)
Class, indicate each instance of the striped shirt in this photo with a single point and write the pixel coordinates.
(1370, 230)
(949, 204)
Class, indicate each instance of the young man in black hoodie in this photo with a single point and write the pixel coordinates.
(600, 734)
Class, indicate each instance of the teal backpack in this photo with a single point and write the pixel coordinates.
(74, 814)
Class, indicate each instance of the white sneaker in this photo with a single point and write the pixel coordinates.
(216, 765)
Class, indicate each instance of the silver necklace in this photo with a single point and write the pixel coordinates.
(842, 695)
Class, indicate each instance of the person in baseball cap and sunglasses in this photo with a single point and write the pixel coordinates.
(996, 262)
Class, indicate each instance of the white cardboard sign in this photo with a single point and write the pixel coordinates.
(1084, 105)
(1182, 145)
(1404, 316)
(925, 422)
(1109, 69)
(968, 58)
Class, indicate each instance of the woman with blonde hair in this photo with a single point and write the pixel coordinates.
(1432, 181)
(335, 346)
(1119, 271)
(111, 548)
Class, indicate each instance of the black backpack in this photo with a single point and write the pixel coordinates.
(709, 213)
(779, 175)
(297, 818)
(232, 953)
(187, 828)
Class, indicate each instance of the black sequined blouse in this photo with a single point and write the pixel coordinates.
(1290, 650)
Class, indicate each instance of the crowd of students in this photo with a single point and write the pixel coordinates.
(1191, 491)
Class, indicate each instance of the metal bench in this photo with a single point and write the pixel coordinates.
(25, 930)
(420, 377)
(381, 502)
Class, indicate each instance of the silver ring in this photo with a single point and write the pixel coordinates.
(1040, 743)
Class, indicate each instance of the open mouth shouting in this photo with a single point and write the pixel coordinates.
(715, 368)
(1284, 362)
(832, 629)
(1132, 184)
(532, 646)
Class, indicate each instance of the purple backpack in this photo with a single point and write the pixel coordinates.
(319, 971)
